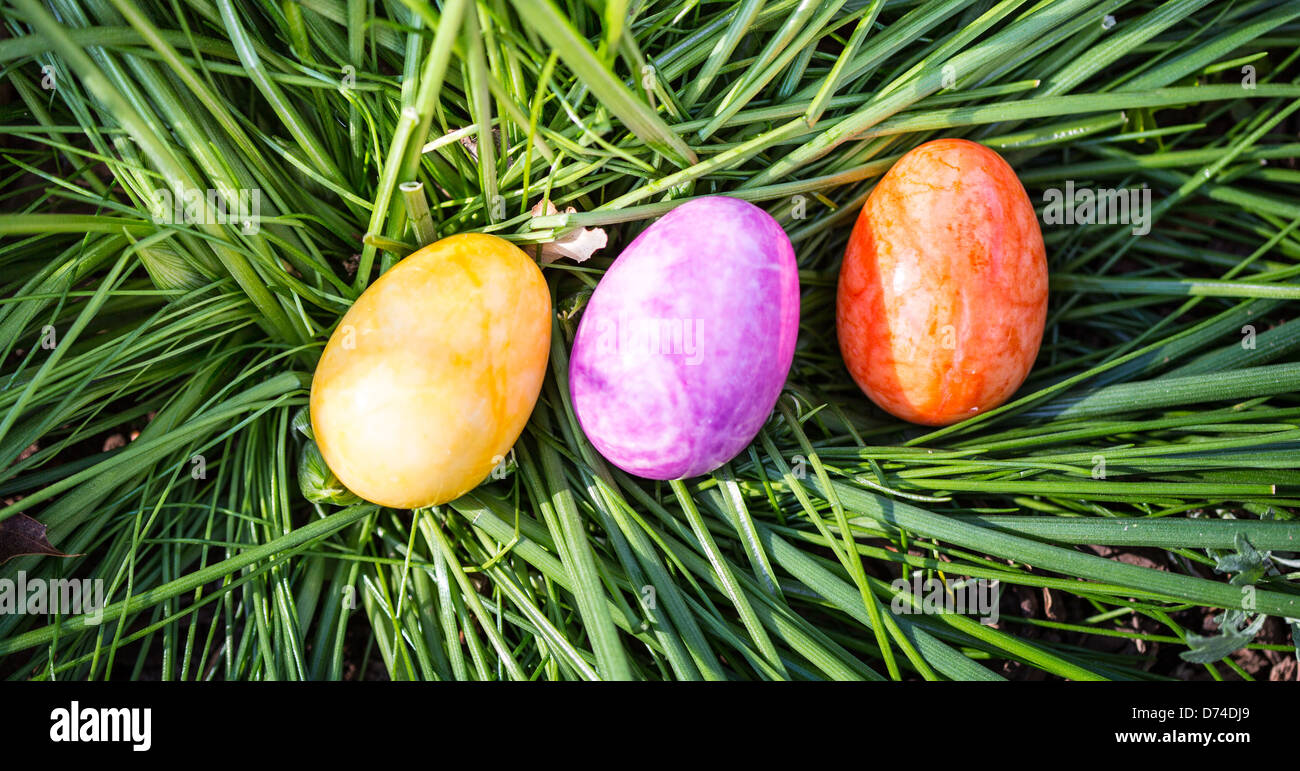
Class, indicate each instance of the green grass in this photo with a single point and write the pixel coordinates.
(1170, 357)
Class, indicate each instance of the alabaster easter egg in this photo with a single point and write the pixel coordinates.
(686, 342)
(942, 295)
(431, 375)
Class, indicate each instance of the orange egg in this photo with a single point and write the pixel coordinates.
(431, 375)
(942, 295)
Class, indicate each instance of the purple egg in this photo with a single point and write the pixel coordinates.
(686, 342)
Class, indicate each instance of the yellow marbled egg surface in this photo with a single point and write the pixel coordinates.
(432, 374)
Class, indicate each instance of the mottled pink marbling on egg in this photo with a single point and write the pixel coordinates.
(686, 342)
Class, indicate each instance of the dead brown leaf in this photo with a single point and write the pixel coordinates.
(577, 244)
(20, 536)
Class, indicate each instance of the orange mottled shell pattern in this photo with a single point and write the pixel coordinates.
(942, 295)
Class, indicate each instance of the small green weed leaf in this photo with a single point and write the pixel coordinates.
(1232, 637)
(1247, 562)
(318, 483)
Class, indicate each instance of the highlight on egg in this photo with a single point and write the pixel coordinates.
(430, 377)
(686, 342)
(942, 295)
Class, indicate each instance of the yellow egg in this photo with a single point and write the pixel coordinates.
(431, 375)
